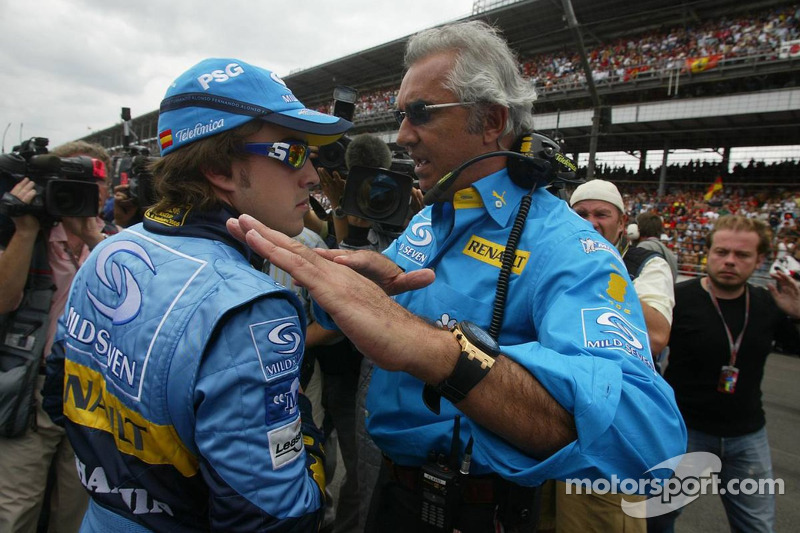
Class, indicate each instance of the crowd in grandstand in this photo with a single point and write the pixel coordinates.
(689, 213)
(692, 47)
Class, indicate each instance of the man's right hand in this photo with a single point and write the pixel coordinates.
(125, 207)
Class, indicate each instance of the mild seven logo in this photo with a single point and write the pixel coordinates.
(121, 282)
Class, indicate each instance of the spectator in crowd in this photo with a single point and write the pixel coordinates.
(632, 231)
(51, 253)
(650, 230)
(723, 330)
(195, 350)
(600, 202)
(754, 35)
(530, 404)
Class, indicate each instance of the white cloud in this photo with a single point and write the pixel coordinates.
(70, 65)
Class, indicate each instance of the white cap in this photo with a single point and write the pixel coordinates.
(633, 231)
(597, 189)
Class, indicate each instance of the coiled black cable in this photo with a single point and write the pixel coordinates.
(510, 253)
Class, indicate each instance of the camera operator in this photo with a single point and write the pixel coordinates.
(133, 196)
(26, 459)
(351, 376)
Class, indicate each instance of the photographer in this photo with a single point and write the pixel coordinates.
(26, 459)
(354, 232)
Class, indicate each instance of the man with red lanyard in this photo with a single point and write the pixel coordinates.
(722, 332)
(25, 460)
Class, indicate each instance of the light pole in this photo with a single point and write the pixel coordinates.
(4, 137)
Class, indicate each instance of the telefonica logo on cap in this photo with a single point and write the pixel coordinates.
(187, 134)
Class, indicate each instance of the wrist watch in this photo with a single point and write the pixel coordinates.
(338, 212)
(478, 353)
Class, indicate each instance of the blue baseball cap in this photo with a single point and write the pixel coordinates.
(220, 94)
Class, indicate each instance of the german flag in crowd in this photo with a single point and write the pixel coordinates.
(713, 188)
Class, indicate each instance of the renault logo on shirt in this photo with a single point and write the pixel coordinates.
(492, 253)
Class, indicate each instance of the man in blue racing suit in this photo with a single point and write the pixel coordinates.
(181, 360)
(564, 388)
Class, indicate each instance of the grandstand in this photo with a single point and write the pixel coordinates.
(710, 94)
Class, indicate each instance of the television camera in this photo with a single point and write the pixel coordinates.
(331, 156)
(65, 186)
(131, 167)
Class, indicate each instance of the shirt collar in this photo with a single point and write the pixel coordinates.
(186, 222)
(496, 193)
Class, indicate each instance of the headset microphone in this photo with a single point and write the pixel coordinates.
(436, 193)
(535, 161)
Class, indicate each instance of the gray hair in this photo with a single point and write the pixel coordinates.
(486, 71)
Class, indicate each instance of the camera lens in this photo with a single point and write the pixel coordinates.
(379, 197)
(331, 155)
(71, 198)
(68, 200)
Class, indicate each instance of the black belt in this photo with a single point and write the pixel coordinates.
(485, 489)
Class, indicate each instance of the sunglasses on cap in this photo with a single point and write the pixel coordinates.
(293, 154)
(418, 113)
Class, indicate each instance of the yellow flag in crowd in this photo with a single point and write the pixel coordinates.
(713, 188)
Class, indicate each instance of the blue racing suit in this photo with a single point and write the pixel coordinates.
(572, 319)
(181, 371)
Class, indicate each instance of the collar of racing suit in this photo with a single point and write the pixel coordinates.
(187, 222)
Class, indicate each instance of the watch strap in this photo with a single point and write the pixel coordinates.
(468, 372)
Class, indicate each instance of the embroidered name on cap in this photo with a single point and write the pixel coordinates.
(219, 76)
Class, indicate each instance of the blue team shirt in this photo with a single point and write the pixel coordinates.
(572, 318)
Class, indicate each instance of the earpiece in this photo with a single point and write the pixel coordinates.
(543, 162)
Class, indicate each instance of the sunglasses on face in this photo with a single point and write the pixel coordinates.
(418, 113)
(293, 154)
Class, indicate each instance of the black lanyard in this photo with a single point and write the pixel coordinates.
(734, 346)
